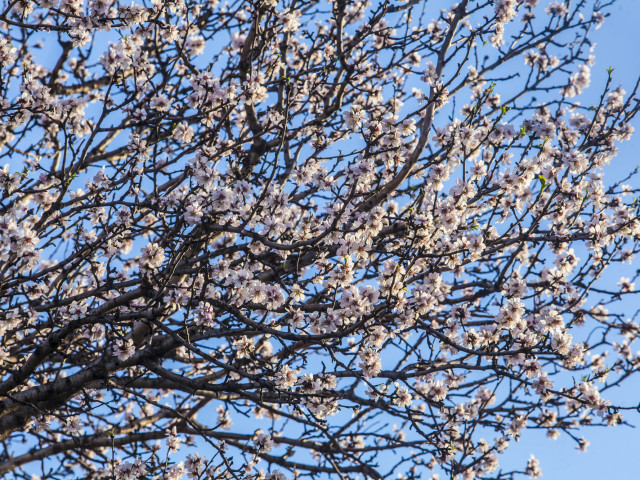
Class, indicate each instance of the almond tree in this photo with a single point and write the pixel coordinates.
(307, 239)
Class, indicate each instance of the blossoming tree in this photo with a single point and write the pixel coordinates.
(306, 239)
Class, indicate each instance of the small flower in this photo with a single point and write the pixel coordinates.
(263, 442)
(183, 133)
(152, 257)
(124, 349)
(286, 378)
(290, 21)
(626, 285)
(72, 426)
(195, 465)
(403, 398)
(533, 468)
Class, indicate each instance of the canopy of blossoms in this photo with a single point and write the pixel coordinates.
(307, 239)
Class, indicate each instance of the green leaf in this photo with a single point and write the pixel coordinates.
(543, 182)
(610, 70)
(504, 109)
(544, 142)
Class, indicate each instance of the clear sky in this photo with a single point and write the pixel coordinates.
(614, 453)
